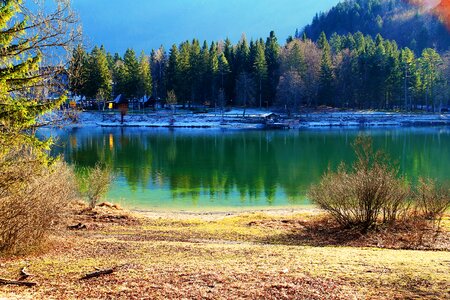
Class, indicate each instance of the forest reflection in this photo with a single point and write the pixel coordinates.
(239, 168)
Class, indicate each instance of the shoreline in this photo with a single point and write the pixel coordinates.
(257, 119)
(214, 215)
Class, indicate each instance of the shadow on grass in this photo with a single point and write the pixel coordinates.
(326, 232)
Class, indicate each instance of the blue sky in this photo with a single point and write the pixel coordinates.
(146, 24)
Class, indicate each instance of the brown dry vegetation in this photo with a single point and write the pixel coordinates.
(250, 256)
(33, 196)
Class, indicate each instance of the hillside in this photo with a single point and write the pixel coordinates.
(410, 25)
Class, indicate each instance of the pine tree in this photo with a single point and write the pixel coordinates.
(241, 57)
(224, 70)
(230, 82)
(204, 66)
(260, 70)
(213, 70)
(272, 53)
(196, 70)
(133, 75)
(304, 38)
(105, 79)
(322, 41)
(183, 90)
(245, 88)
(429, 62)
(172, 69)
(145, 75)
(326, 73)
(20, 76)
(120, 77)
(99, 80)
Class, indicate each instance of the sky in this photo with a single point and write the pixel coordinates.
(147, 24)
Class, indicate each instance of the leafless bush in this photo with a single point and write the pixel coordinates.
(94, 183)
(33, 197)
(369, 193)
(433, 200)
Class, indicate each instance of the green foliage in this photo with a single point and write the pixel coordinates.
(33, 188)
(145, 76)
(99, 85)
(19, 73)
(397, 20)
(326, 72)
(351, 70)
(260, 69)
(272, 52)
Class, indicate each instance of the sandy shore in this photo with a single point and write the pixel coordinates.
(214, 215)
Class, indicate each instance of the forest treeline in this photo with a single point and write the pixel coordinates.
(345, 71)
(408, 24)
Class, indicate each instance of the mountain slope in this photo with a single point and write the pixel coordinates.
(410, 25)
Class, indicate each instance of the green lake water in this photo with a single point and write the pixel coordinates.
(215, 169)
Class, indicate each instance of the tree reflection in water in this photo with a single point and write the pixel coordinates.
(198, 168)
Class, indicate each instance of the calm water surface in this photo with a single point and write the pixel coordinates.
(213, 169)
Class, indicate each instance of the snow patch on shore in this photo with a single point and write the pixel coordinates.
(254, 119)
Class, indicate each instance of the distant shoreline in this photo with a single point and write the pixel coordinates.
(258, 119)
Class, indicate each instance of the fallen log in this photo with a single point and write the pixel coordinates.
(98, 273)
(15, 282)
(101, 272)
(78, 226)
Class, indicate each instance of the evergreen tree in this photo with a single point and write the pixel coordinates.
(33, 190)
(145, 74)
(204, 66)
(326, 73)
(322, 42)
(183, 87)
(230, 81)
(110, 59)
(272, 53)
(241, 57)
(172, 69)
(133, 80)
(19, 74)
(224, 70)
(99, 82)
(120, 77)
(245, 88)
(429, 61)
(213, 71)
(260, 70)
(196, 70)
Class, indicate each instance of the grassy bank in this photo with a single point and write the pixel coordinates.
(255, 255)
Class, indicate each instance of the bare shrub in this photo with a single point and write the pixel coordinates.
(433, 200)
(33, 197)
(94, 183)
(369, 193)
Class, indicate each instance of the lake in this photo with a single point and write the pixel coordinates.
(189, 169)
